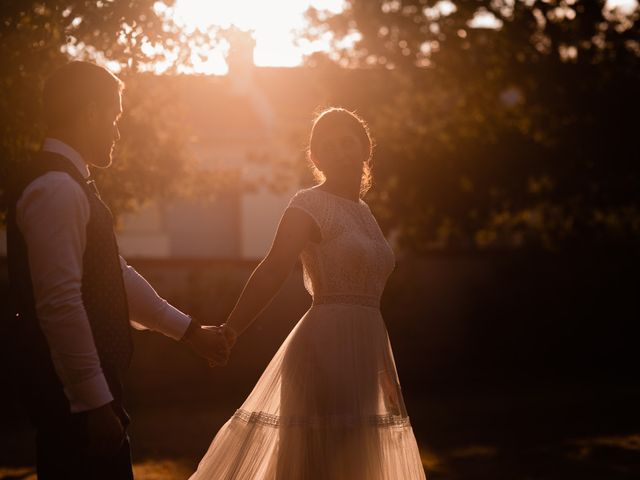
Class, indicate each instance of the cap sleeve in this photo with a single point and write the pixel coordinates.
(306, 201)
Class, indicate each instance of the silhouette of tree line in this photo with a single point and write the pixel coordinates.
(522, 135)
(518, 135)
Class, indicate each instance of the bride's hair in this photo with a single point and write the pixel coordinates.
(326, 121)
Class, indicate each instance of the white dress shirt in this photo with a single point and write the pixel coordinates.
(52, 215)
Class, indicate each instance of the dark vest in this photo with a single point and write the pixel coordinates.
(103, 292)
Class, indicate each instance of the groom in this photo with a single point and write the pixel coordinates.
(70, 338)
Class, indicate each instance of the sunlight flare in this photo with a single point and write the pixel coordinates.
(275, 26)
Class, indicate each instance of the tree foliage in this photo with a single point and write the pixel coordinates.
(519, 134)
(38, 36)
(522, 134)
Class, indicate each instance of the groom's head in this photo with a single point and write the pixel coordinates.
(82, 104)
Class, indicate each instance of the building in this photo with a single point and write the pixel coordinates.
(253, 124)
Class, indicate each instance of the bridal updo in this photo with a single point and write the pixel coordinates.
(336, 118)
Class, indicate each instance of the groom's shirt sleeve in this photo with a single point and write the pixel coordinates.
(147, 308)
(52, 215)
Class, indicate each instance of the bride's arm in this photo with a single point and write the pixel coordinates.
(296, 228)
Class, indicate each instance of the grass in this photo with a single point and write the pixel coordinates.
(553, 436)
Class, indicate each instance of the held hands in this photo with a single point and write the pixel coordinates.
(229, 334)
(211, 342)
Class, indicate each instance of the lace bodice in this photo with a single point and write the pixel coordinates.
(353, 260)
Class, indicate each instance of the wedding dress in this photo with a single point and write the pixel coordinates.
(329, 405)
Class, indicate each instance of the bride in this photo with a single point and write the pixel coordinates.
(329, 405)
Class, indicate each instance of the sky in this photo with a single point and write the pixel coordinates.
(274, 24)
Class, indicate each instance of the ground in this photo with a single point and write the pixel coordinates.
(535, 436)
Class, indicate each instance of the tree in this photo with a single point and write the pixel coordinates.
(517, 134)
(38, 36)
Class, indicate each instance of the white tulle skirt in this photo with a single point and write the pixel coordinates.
(327, 407)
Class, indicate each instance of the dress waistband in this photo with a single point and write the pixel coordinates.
(345, 299)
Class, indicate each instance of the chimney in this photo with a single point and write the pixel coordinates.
(240, 58)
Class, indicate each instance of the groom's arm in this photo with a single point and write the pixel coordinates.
(147, 308)
(52, 215)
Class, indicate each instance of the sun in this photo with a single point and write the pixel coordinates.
(277, 26)
(274, 24)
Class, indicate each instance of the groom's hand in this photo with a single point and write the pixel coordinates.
(105, 432)
(229, 335)
(210, 343)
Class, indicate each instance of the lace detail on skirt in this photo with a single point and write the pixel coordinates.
(361, 300)
(266, 419)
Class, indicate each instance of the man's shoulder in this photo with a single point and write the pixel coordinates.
(54, 189)
(54, 180)
(43, 171)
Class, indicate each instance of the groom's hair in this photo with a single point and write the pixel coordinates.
(73, 87)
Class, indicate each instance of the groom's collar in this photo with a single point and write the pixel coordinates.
(54, 145)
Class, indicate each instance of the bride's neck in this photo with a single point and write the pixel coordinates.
(344, 189)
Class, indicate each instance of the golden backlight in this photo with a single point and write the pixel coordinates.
(279, 27)
(276, 24)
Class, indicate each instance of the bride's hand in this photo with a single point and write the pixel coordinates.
(229, 334)
(209, 342)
